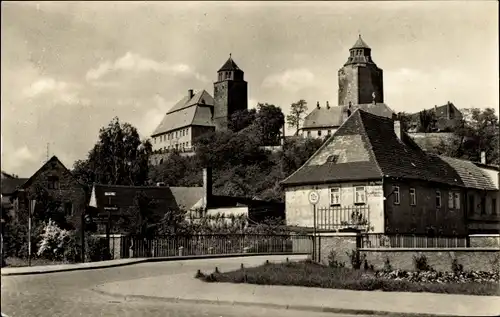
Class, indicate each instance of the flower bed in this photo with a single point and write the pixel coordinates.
(311, 274)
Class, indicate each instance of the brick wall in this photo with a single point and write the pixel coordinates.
(480, 259)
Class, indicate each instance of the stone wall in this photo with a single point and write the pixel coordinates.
(485, 241)
(480, 259)
(340, 245)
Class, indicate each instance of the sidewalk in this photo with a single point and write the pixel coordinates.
(28, 270)
(183, 287)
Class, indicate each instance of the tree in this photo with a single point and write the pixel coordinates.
(471, 137)
(241, 119)
(118, 158)
(405, 120)
(269, 120)
(427, 120)
(298, 110)
(139, 219)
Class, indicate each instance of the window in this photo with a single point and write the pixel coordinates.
(308, 133)
(438, 199)
(68, 209)
(483, 205)
(397, 196)
(319, 132)
(413, 197)
(53, 182)
(329, 132)
(456, 197)
(359, 195)
(450, 200)
(493, 206)
(335, 196)
(155, 140)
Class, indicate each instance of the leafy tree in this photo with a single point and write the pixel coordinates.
(177, 170)
(140, 219)
(269, 121)
(427, 121)
(297, 112)
(471, 137)
(241, 119)
(405, 120)
(118, 158)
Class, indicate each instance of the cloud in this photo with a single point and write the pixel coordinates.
(292, 80)
(16, 158)
(135, 62)
(59, 90)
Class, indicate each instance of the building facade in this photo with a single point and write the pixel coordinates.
(371, 173)
(199, 113)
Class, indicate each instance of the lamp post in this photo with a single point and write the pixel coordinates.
(313, 200)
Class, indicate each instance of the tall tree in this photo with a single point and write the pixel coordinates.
(139, 219)
(241, 119)
(427, 120)
(269, 120)
(297, 112)
(118, 158)
(405, 120)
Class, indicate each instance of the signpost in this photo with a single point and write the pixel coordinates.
(31, 210)
(313, 200)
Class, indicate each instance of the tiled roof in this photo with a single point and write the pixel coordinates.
(360, 43)
(389, 155)
(334, 117)
(164, 197)
(229, 65)
(10, 185)
(194, 111)
(470, 173)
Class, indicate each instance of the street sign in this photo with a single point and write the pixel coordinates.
(313, 197)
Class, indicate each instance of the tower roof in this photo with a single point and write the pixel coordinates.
(360, 43)
(229, 65)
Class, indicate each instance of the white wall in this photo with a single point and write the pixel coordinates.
(299, 211)
(182, 137)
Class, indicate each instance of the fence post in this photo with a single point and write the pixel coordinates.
(181, 250)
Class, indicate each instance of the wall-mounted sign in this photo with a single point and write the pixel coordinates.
(109, 194)
(313, 197)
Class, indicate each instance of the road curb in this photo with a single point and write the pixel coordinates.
(315, 309)
(146, 260)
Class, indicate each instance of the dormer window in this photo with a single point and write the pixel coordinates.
(332, 159)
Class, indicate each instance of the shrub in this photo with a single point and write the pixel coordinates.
(456, 267)
(332, 261)
(53, 242)
(387, 265)
(356, 260)
(97, 249)
(420, 263)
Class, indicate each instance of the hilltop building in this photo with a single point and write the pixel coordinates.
(199, 113)
(361, 86)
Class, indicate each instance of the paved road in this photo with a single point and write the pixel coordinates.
(70, 294)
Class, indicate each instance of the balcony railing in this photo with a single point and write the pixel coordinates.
(329, 218)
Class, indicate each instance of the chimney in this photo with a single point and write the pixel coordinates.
(317, 105)
(398, 129)
(190, 93)
(207, 186)
(483, 157)
(327, 105)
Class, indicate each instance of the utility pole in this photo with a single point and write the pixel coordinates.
(47, 152)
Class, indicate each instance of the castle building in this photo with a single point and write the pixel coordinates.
(199, 113)
(361, 86)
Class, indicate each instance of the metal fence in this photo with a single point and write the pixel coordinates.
(329, 218)
(214, 244)
(412, 241)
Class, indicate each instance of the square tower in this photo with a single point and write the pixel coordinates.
(230, 93)
(360, 80)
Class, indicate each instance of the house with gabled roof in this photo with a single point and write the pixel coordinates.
(371, 170)
(361, 86)
(199, 113)
(61, 186)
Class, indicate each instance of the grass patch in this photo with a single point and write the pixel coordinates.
(311, 274)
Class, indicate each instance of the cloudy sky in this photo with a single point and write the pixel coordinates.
(69, 67)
